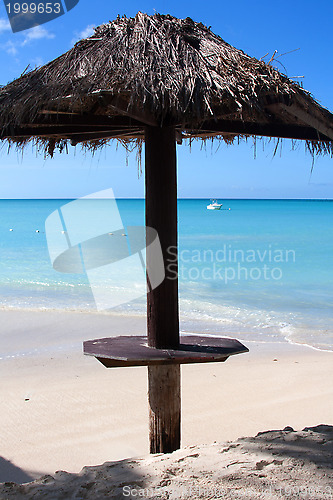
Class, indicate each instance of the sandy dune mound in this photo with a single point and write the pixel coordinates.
(272, 465)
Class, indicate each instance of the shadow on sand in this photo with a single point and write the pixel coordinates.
(312, 444)
(274, 465)
(11, 473)
(95, 482)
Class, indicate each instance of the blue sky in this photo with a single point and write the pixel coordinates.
(257, 27)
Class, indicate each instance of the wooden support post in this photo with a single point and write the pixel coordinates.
(164, 408)
(161, 214)
(162, 302)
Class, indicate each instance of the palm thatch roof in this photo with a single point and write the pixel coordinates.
(158, 70)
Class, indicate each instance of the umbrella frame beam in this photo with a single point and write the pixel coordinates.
(162, 302)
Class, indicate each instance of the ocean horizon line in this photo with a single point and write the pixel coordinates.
(183, 198)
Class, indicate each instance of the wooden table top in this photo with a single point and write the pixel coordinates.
(134, 350)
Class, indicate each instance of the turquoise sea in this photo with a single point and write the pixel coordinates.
(262, 270)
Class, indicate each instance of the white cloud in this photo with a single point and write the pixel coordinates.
(85, 33)
(10, 48)
(35, 34)
(37, 62)
(13, 47)
(88, 31)
(4, 25)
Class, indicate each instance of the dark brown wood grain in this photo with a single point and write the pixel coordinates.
(162, 301)
(164, 408)
(134, 350)
(161, 214)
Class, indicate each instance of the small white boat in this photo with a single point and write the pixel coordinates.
(214, 205)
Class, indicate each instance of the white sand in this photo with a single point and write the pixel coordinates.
(62, 410)
(273, 465)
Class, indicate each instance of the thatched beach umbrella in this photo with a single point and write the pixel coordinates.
(159, 79)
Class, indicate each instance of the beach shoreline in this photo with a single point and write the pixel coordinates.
(62, 410)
